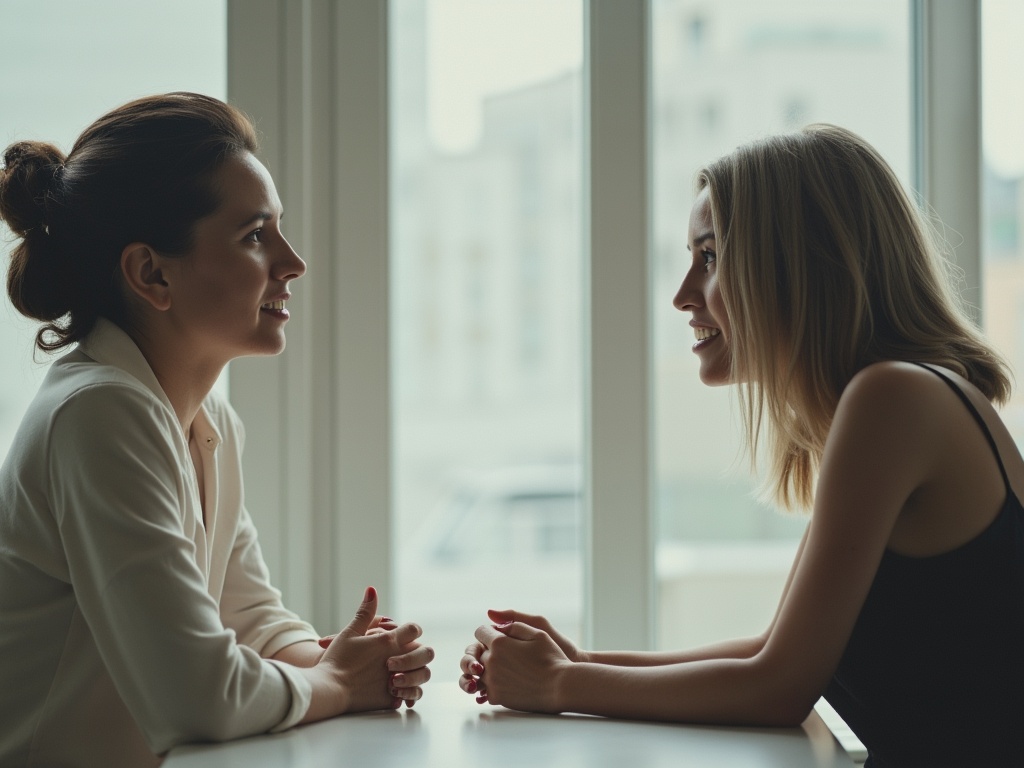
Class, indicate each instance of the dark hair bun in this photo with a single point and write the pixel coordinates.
(26, 181)
(36, 283)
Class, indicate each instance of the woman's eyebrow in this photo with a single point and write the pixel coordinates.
(258, 216)
(701, 238)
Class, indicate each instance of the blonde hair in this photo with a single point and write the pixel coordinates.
(825, 267)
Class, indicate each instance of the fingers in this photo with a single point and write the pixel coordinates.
(471, 684)
(383, 622)
(364, 615)
(504, 616)
(470, 662)
(501, 616)
(408, 695)
(406, 633)
(412, 679)
(518, 630)
(472, 668)
(407, 686)
(418, 657)
(409, 669)
(402, 636)
(379, 624)
(488, 633)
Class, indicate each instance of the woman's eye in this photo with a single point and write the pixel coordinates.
(709, 257)
(255, 236)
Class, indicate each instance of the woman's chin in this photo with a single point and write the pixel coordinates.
(715, 375)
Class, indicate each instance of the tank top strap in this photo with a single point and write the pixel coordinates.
(937, 370)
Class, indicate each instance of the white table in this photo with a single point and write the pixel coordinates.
(447, 729)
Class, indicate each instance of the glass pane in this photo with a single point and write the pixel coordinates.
(1002, 116)
(485, 297)
(64, 64)
(725, 73)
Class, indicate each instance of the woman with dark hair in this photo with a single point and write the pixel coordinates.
(136, 612)
(816, 288)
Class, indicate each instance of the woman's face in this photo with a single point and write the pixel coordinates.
(699, 295)
(229, 291)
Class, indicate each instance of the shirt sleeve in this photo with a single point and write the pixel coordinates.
(249, 603)
(118, 490)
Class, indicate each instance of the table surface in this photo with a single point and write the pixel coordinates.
(447, 728)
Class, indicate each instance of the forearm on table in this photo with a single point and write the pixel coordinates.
(718, 691)
(306, 653)
(744, 648)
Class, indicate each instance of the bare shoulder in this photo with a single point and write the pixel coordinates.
(889, 438)
(909, 419)
(892, 378)
(896, 395)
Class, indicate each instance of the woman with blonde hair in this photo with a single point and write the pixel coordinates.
(816, 289)
(136, 612)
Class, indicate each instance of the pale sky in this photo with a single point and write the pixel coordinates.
(1002, 61)
(481, 47)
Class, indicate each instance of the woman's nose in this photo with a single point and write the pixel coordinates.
(688, 297)
(291, 264)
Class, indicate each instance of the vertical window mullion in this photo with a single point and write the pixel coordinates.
(948, 130)
(619, 563)
(359, 215)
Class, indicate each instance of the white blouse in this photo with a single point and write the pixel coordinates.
(126, 625)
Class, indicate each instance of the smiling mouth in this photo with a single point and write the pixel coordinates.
(279, 304)
(703, 334)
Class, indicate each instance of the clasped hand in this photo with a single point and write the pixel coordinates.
(517, 661)
(374, 663)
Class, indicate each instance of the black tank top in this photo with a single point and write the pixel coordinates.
(933, 673)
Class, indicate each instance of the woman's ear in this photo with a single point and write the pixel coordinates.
(142, 269)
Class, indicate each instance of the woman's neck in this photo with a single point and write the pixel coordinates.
(185, 378)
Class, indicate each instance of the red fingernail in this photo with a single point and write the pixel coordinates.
(503, 625)
(471, 686)
(481, 699)
(386, 618)
(476, 669)
(323, 642)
